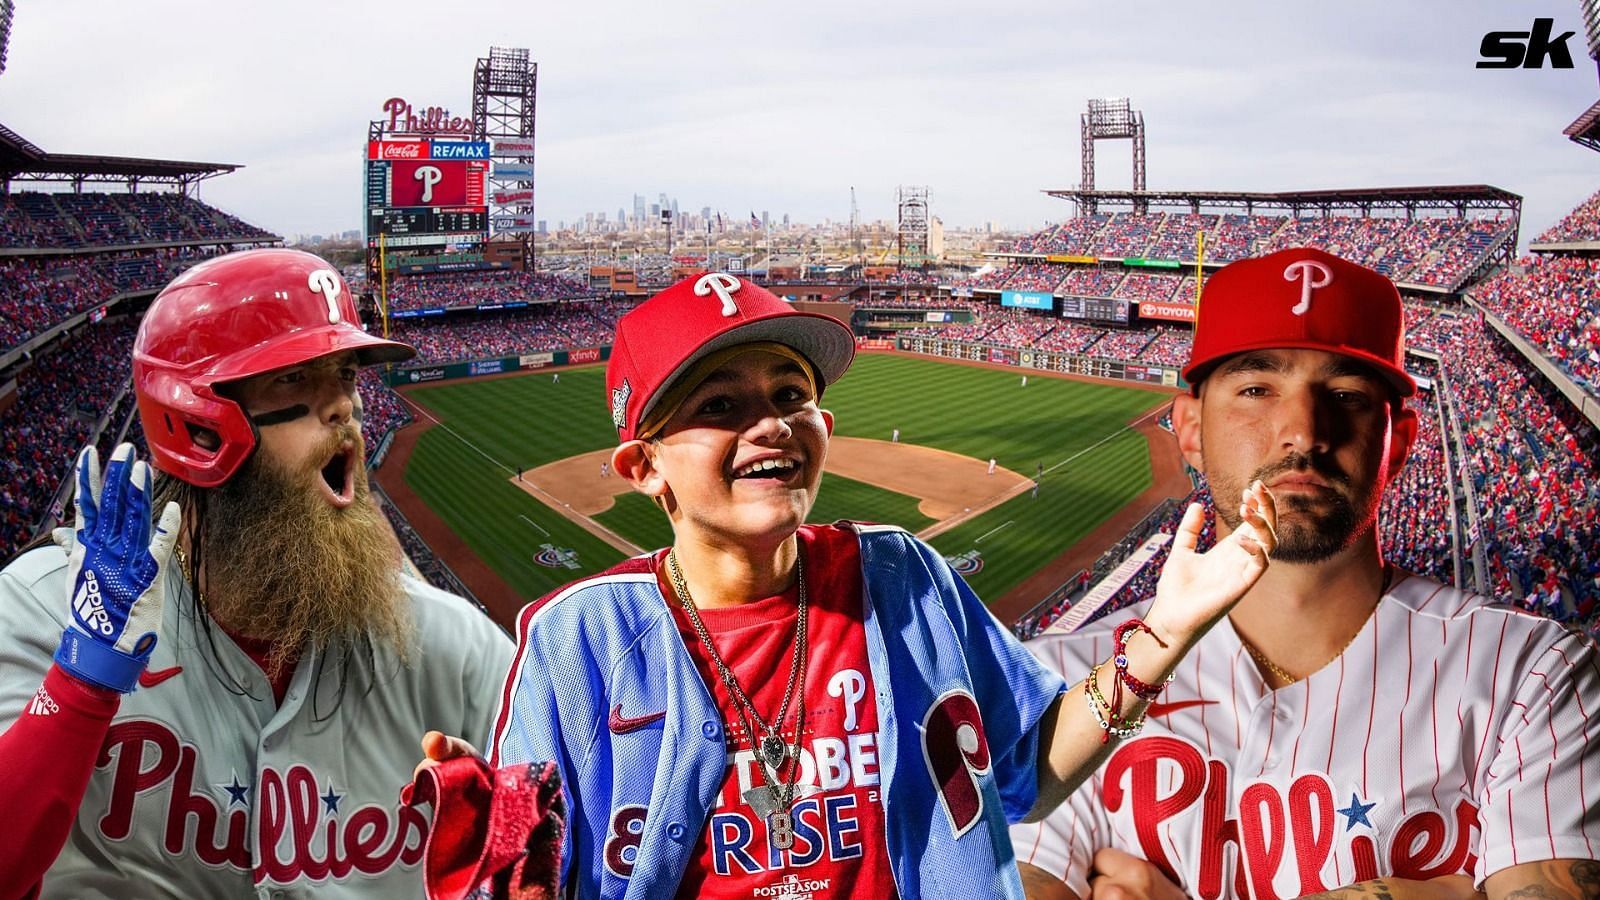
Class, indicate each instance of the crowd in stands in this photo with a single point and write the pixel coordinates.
(1071, 236)
(1432, 329)
(444, 290)
(992, 280)
(1582, 224)
(1018, 329)
(1437, 251)
(925, 277)
(1414, 521)
(1554, 302)
(382, 410)
(1033, 277)
(37, 292)
(1458, 257)
(71, 220)
(1534, 462)
(1091, 281)
(1176, 239)
(60, 398)
(1070, 337)
(1142, 286)
(1121, 343)
(1169, 348)
(915, 301)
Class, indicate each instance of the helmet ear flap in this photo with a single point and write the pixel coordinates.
(193, 433)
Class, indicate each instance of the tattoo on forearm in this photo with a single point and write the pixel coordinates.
(1586, 876)
(1563, 880)
(1538, 892)
(1376, 890)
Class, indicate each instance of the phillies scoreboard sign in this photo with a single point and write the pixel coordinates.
(427, 191)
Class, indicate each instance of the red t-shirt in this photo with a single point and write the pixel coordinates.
(839, 846)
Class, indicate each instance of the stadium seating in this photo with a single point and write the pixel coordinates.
(40, 291)
(480, 288)
(59, 400)
(72, 220)
(1554, 302)
(1582, 224)
(1437, 251)
(382, 410)
(1033, 277)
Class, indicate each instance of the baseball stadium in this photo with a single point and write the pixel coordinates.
(1012, 411)
(1015, 403)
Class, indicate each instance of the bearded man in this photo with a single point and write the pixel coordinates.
(226, 702)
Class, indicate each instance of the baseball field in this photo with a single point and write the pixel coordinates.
(562, 519)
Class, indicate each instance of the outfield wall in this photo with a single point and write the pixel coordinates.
(410, 374)
(1068, 363)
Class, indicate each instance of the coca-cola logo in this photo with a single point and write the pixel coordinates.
(398, 150)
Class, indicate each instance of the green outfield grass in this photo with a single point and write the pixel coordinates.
(1075, 431)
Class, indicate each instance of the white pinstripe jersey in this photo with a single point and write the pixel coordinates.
(1452, 735)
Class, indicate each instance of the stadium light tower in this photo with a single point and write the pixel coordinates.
(5, 31)
(1112, 119)
(1585, 129)
(504, 90)
(912, 239)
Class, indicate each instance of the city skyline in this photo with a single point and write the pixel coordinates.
(703, 105)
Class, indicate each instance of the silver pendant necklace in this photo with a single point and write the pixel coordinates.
(772, 798)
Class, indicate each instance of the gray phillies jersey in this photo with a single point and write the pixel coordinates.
(200, 791)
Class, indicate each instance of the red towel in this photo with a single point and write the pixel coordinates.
(496, 832)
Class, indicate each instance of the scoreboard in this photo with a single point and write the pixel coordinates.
(1099, 308)
(420, 220)
(427, 192)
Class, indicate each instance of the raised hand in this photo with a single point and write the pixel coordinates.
(438, 747)
(1197, 589)
(115, 571)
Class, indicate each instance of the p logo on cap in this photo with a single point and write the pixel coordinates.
(724, 285)
(1303, 270)
(661, 339)
(1301, 298)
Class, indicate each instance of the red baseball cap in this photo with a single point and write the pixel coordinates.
(1300, 298)
(663, 337)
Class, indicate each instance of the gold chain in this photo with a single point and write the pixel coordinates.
(1288, 679)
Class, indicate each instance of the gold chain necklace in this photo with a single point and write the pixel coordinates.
(1288, 679)
(773, 798)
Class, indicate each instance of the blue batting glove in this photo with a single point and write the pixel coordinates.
(116, 569)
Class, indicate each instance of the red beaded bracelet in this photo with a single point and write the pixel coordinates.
(1119, 659)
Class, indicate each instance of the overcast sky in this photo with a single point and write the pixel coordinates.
(783, 106)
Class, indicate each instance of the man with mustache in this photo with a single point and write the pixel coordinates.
(225, 703)
(1350, 730)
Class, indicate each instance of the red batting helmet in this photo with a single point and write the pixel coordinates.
(230, 318)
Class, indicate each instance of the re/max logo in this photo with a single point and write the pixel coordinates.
(1527, 49)
(460, 150)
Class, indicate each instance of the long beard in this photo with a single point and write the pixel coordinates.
(283, 564)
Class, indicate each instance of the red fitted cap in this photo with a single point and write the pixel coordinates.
(1301, 298)
(663, 337)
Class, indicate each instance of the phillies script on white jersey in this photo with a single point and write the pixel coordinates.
(200, 791)
(1451, 736)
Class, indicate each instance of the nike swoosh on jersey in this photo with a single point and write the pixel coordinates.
(149, 678)
(621, 724)
(1161, 709)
